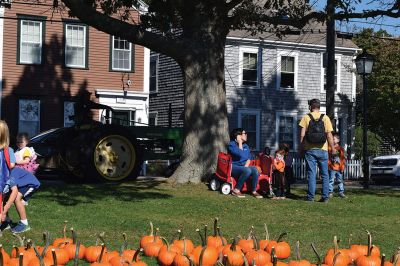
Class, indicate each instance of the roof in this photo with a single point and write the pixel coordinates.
(312, 34)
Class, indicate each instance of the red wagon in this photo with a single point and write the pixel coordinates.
(223, 181)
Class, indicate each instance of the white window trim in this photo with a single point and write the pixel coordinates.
(293, 114)
(85, 46)
(41, 42)
(39, 112)
(112, 56)
(252, 50)
(353, 81)
(256, 112)
(338, 58)
(294, 54)
(158, 61)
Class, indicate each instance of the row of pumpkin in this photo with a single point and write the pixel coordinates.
(182, 252)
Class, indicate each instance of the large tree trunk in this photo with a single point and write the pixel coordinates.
(206, 123)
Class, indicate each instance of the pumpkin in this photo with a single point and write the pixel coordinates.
(19, 261)
(367, 249)
(4, 257)
(61, 255)
(27, 252)
(264, 242)
(183, 243)
(234, 255)
(258, 256)
(299, 261)
(127, 258)
(247, 244)
(282, 248)
(63, 241)
(216, 240)
(369, 259)
(92, 253)
(166, 255)
(341, 256)
(151, 249)
(75, 248)
(204, 255)
(319, 261)
(144, 240)
(182, 260)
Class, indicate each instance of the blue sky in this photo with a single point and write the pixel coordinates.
(391, 25)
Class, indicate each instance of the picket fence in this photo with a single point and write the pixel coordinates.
(353, 169)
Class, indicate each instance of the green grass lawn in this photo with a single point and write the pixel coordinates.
(128, 208)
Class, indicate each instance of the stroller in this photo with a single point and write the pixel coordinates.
(223, 181)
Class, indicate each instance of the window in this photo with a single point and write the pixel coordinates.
(76, 45)
(29, 117)
(153, 119)
(69, 112)
(154, 73)
(121, 54)
(123, 117)
(250, 121)
(30, 33)
(249, 67)
(337, 73)
(287, 70)
(286, 129)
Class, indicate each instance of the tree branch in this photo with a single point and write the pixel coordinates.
(233, 3)
(133, 33)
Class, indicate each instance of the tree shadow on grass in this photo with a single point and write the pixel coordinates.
(75, 194)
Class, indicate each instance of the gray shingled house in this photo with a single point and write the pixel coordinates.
(268, 83)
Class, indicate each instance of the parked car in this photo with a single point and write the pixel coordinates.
(385, 168)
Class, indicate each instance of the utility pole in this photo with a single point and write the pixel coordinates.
(330, 61)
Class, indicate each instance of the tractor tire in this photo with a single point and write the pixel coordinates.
(114, 155)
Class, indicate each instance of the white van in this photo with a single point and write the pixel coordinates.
(385, 168)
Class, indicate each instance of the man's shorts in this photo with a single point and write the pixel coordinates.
(27, 192)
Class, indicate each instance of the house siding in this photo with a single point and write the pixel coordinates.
(51, 82)
(266, 98)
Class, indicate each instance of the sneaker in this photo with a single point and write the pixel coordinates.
(5, 225)
(237, 193)
(256, 195)
(330, 195)
(323, 200)
(342, 195)
(20, 228)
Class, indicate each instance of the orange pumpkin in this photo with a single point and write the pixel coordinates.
(234, 256)
(247, 244)
(299, 261)
(339, 256)
(166, 255)
(61, 255)
(63, 241)
(369, 259)
(282, 248)
(216, 240)
(182, 260)
(264, 242)
(5, 258)
(207, 256)
(151, 249)
(144, 240)
(19, 261)
(71, 248)
(92, 253)
(183, 243)
(258, 256)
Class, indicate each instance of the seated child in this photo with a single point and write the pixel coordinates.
(25, 156)
(20, 188)
(279, 174)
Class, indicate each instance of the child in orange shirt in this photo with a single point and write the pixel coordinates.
(336, 164)
(279, 174)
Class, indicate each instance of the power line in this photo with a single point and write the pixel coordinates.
(374, 23)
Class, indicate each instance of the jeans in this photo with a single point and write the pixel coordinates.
(339, 177)
(243, 173)
(316, 157)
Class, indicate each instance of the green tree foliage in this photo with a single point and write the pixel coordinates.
(373, 143)
(383, 85)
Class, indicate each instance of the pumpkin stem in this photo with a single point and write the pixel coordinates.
(64, 231)
(21, 259)
(205, 232)
(233, 245)
(396, 257)
(184, 246)
(179, 234)
(272, 254)
(255, 243)
(201, 237)
(266, 232)
(103, 247)
(369, 243)
(46, 239)
(215, 226)
(124, 244)
(151, 229)
(316, 253)
(136, 255)
(335, 245)
(251, 232)
(20, 239)
(223, 241)
(166, 242)
(335, 258)
(53, 252)
(73, 234)
(201, 256)
(298, 250)
(281, 236)
(77, 248)
(28, 244)
(350, 236)
(246, 262)
(383, 259)
(1, 255)
(156, 234)
(16, 251)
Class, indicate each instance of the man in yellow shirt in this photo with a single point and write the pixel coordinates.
(315, 136)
